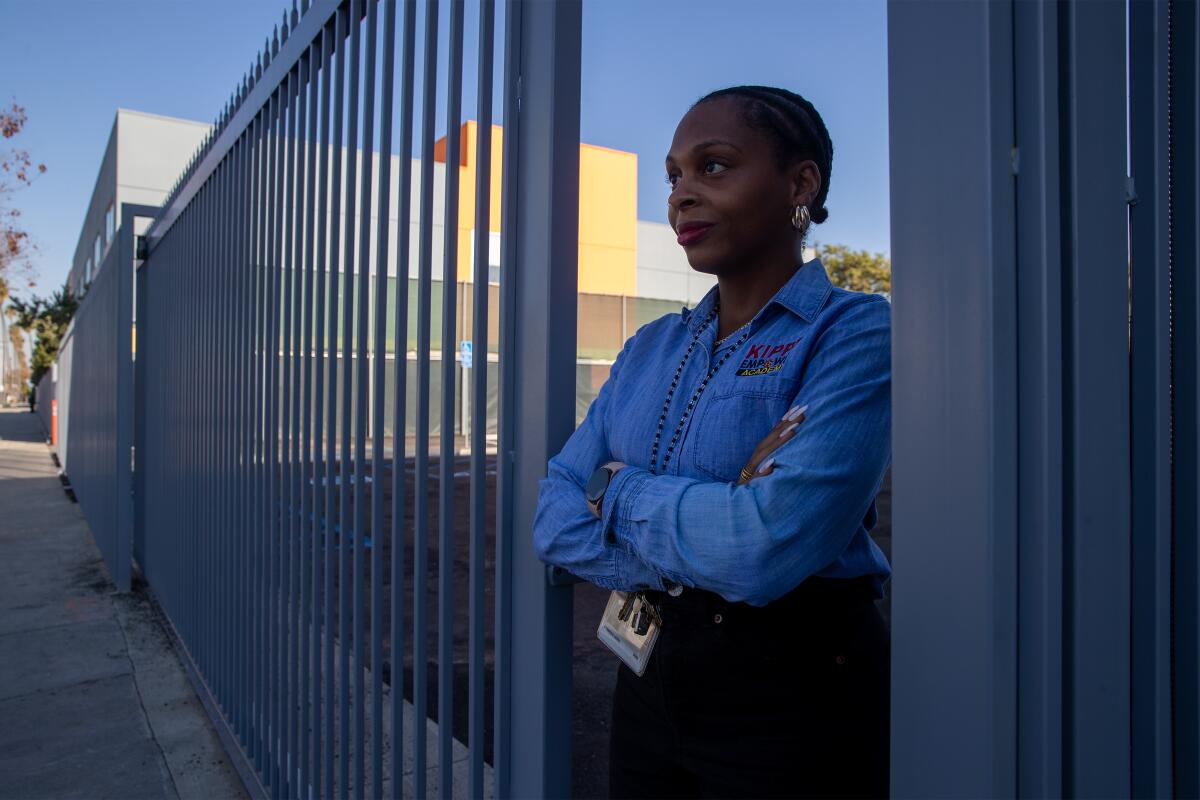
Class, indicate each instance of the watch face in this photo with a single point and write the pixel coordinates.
(597, 484)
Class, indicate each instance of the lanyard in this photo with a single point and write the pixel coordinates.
(691, 406)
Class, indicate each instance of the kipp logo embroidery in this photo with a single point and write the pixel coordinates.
(764, 359)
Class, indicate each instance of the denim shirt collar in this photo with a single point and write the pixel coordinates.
(804, 295)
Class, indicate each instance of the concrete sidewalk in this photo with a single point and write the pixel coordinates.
(94, 702)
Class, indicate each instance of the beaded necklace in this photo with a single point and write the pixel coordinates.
(687, 412)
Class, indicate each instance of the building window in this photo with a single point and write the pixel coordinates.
(110, 224)
(96, 253)
(87, 273)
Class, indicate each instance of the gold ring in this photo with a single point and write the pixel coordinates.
(747, 475)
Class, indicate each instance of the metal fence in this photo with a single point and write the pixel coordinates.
(47, 408)
(93, 394)
(285, 529)
(62, 394)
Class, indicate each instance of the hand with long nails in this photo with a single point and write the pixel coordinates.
(761, 462)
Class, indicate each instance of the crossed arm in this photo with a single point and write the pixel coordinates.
(752, 541)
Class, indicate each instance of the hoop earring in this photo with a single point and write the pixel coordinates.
(800, 218)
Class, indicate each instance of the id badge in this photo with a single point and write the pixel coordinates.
(626, 614)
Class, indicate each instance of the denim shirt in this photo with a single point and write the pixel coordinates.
(693, 524)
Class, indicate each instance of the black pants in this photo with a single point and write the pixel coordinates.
(787, 700)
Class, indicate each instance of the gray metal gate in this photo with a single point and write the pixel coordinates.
(274, 474)
(1044, 223)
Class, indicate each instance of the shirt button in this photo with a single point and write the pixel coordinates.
(840, 660)
(717, 619)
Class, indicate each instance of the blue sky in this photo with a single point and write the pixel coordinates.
(73, 63)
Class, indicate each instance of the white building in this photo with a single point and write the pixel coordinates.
(145, 155)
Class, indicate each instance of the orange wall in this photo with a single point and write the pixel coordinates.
(607, 211)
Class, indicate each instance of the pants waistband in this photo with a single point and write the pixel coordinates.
(815, 593)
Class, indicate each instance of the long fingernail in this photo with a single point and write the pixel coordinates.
(766, 465)
(795, 413)
(789, 429)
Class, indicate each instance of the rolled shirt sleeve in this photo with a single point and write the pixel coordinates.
(565, 531)
(755, 543)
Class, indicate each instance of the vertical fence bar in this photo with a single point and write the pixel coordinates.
(208, 499)
(258, 461)
(335, 529)
(231, 431)
(399, 414)
(378, 414)
(298, 506)
(261, 480)
(1185, 256)
(1040, 409)
(192, 360)
(245, 271)
(226, 433)
(308, 526)
(507, 399)
(541, 251)
(968, 481)
(447, 451)
(124, 405)
(322, 530)
(291, 399)
(202, 489)
(421, 499)
(258, 478)
(277, 442)
(1150, 399)
(350, 475)
(275, 629)
(213, 378)
(255, 479)
(196, 360)
(362, 391)
(1097, 391)
(479, 348)
(220, 418)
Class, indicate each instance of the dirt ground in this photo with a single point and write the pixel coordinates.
(595, 669)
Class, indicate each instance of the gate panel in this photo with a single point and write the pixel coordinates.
(289, 457)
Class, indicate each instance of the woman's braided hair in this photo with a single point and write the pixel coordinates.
(793, 124)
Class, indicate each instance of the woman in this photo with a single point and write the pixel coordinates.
(728, 469)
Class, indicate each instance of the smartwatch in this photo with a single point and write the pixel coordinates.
(597, 485)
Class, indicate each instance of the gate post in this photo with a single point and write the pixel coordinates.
(124, 409)
(1011, 615)
(538, 314)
